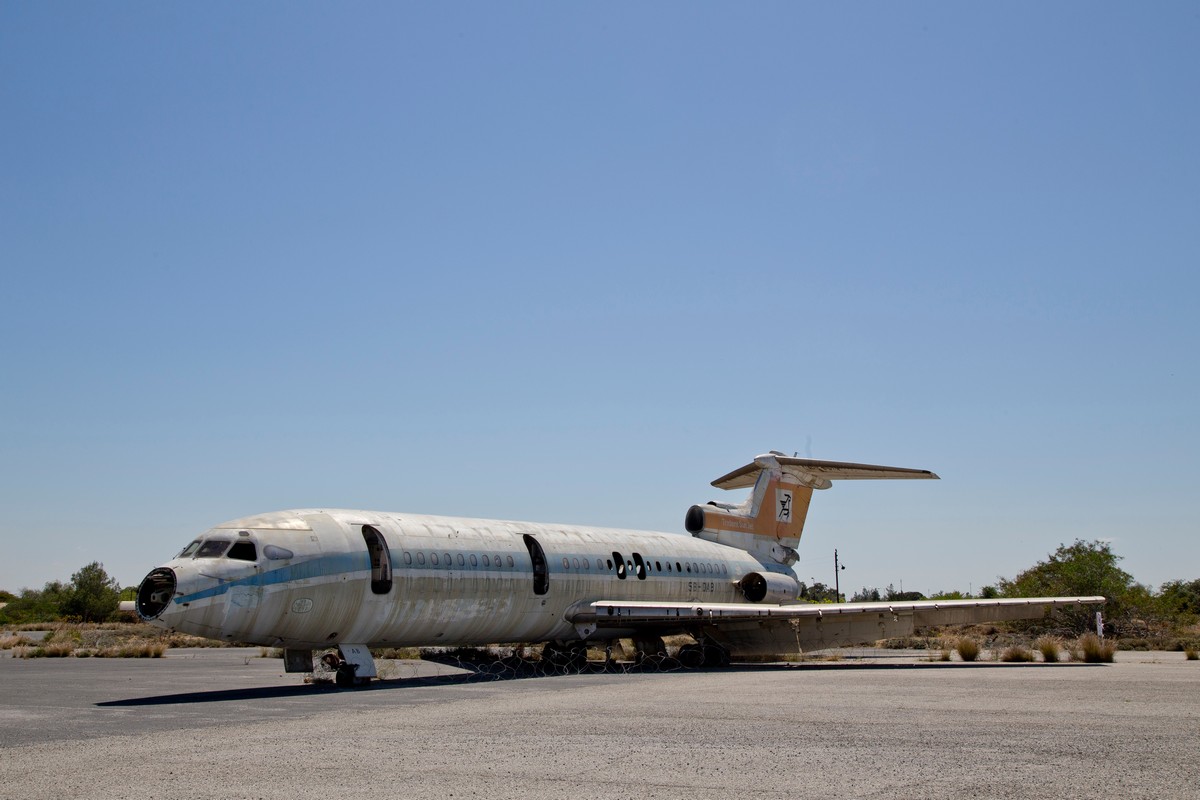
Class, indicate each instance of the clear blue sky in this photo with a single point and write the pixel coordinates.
(569, 263)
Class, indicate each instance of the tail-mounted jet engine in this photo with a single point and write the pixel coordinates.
(769, 587)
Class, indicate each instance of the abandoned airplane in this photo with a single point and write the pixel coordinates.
(309, 579)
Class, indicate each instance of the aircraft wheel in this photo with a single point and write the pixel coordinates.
(691, 656)
(344, 676)
(715, 656)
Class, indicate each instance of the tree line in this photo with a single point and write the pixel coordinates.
(90, 596)
(1078, 570)
(1075, 570)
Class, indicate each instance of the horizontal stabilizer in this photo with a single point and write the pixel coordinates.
(817, 474)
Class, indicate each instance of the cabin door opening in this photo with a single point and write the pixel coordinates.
(541, 572)
(381, 561)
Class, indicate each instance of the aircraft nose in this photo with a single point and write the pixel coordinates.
(155, 593)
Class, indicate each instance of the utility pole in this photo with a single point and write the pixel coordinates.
(837, 586)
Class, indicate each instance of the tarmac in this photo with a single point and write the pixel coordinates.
(226, 723)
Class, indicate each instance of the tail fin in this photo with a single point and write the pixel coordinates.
(771, 521)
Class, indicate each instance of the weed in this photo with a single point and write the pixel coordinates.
(1191, 653)
(136, 650)
(398, 653)
(1094, 650)
(1017, 653)
(9, 642)
(968, 649)
(1048, 646)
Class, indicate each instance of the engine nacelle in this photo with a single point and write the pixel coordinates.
(693, 522)
(769, 587)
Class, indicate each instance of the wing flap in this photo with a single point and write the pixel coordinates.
(626, 613)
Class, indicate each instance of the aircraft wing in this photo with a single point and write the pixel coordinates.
(758, 627)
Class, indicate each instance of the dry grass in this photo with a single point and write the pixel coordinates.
(968, 648)
(133, 650)
(64, 650)
(396, 653)
(1049, 647)
(1094, 650)
(16, 640)
(109, 640)
(1016, 653)
(1191, 653)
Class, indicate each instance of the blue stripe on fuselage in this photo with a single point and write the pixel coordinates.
(312, 568)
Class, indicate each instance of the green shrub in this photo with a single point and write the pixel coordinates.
(968, 648)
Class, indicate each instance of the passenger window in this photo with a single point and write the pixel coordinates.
(213, 548)
(433, 558)
(620, 562)
(407, 557)
(461, 561)
(474, 560)
(496, 560)
(487, 562)
(575, 563)
(511, 563)
(448, 561)
(658, 565)
(566, 563)
(689, 567)
(587, 564)
(243, 551)
(421, 558)
(609, 563)
(678, 568)
(639, 567)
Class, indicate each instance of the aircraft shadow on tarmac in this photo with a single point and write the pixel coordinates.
(490, 672)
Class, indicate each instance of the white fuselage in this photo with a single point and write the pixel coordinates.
(314, 581)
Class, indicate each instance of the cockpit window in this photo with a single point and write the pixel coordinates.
(243, 551)
(213, 548)
(187, 551)
(277, 553)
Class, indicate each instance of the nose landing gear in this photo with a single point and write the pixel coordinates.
(343, 671)
(352, 665)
